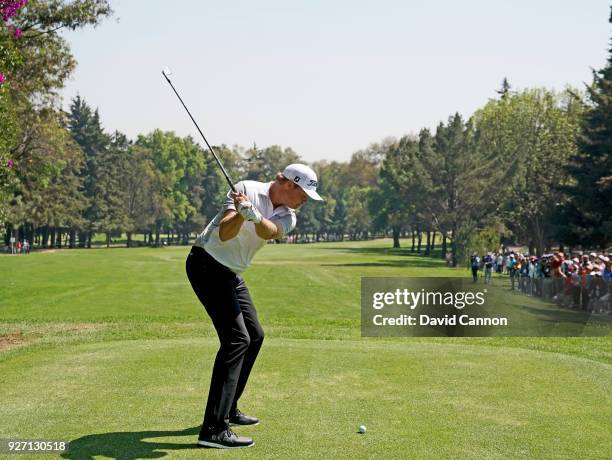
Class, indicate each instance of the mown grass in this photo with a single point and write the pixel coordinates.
(110, 349)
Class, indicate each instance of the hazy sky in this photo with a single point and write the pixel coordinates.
(326, 78)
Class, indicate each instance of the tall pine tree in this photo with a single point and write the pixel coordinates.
(589, 214)
(109, 208)
(84, 125)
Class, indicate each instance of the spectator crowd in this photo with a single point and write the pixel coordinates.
(580, 280)
(18, 246)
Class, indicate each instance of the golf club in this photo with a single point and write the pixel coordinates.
(166, 72)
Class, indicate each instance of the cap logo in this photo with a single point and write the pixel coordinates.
(312, 183)
(296, 179)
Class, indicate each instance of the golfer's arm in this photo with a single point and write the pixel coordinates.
(230, 225)
(267, 229)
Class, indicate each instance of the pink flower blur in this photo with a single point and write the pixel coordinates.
(2, 78)
(18, 33)
(9, 8)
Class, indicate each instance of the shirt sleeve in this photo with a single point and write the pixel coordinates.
(285, 223)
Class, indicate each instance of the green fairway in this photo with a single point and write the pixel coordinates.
(109, 349)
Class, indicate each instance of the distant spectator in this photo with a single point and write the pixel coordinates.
(532, 274)
(511, 269)
(475, 264)
(557, 273)
(523, 270)
(574, 282)
(488, 267)
(607, 273)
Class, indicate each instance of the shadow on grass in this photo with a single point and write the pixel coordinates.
(128, 445)
(535, 316)
(405, 263)
(544, 306)
(406, 258)
(570, 316)
(435, 254)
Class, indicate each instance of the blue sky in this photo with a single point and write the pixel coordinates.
(326, 78)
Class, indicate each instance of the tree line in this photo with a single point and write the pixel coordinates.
(531, 165)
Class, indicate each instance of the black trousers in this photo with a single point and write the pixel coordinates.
(228, 303)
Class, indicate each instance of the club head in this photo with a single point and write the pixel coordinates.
(167, 71)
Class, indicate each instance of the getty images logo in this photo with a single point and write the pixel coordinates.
(413, 299)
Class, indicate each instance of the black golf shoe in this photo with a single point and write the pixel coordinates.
(238, 418)
(225, 439)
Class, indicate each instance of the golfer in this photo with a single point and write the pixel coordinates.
(257, 212)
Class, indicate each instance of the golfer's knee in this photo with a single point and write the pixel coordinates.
(257, 337)
(243, 341)
(236, 343)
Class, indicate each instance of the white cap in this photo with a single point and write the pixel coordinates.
(305, 178)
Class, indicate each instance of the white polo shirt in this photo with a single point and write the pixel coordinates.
(237, 253)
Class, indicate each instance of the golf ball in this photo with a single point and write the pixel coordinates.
(362, 429)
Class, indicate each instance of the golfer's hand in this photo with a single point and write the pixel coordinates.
(238, 198)
(249, 212)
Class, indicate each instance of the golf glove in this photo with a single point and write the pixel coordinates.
(249, 212)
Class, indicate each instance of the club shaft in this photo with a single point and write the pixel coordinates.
(227, 178)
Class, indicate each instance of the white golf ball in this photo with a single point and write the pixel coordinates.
(362, 429)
